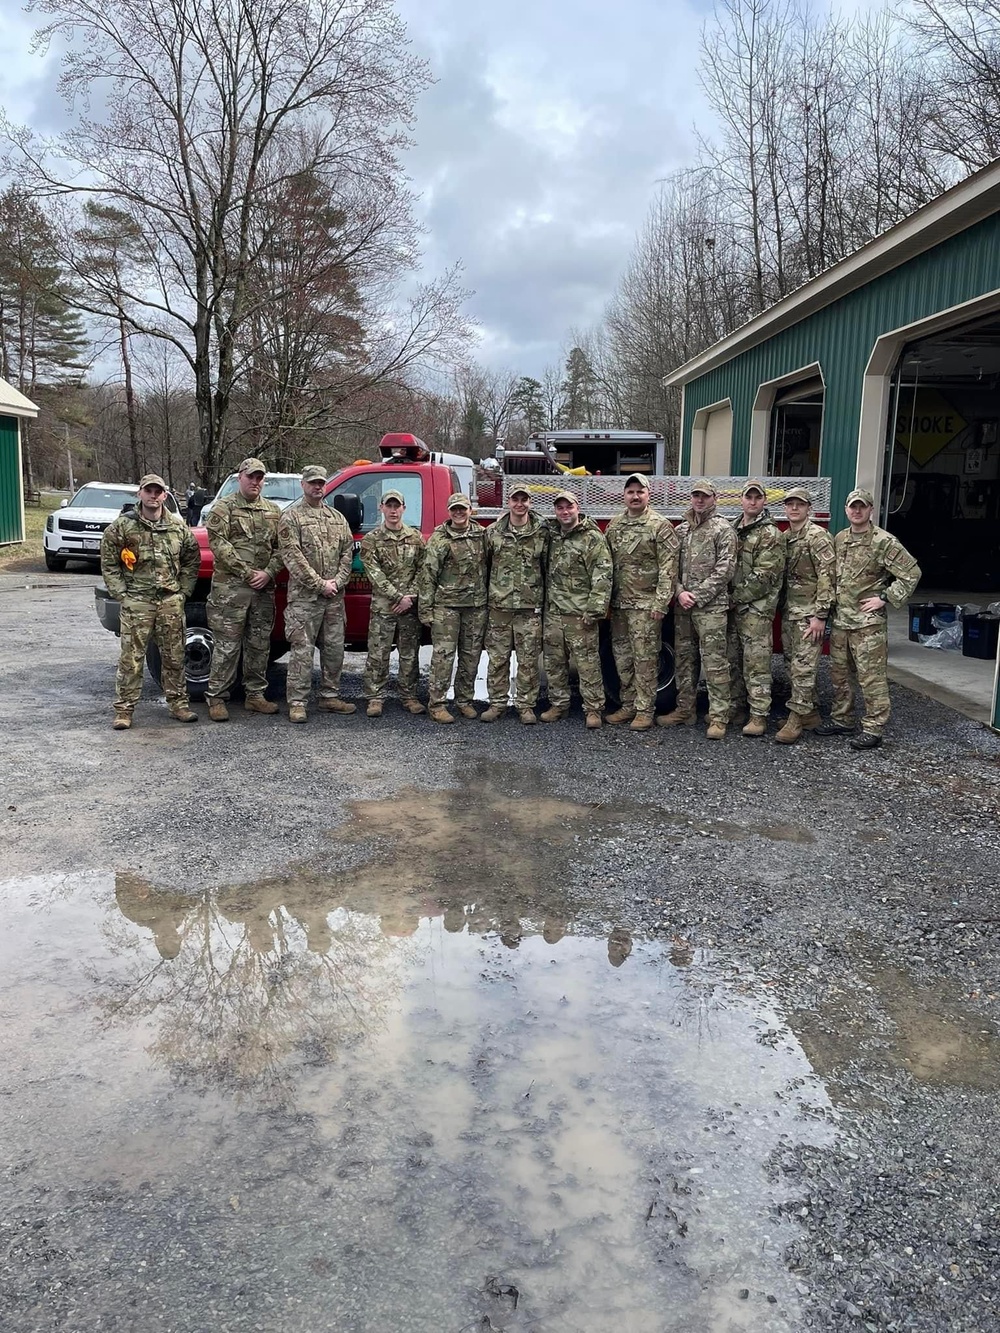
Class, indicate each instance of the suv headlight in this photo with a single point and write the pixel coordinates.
(50, 524)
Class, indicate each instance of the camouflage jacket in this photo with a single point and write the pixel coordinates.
(454, 569)
(707, 560)
(809, 572)
(518, 561)
(876, 564)
(167, 557)
(580, 570)
(760, 566)
(391, 561)
(644, 552)
(243, 535)
(316, 544)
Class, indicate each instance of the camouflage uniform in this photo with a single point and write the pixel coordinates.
(753, 599)
(243, 535)
(874, 564)
(644, 553)
(707, 562)
(809, 584)
(316, 545)
(518, 560)
(577, 593)
(391, 561)
(452, 600)
(152, 595)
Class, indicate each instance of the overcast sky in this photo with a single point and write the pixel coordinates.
(538, 149)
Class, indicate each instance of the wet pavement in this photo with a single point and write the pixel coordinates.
(368, 1090)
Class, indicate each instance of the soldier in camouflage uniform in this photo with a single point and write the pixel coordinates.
(391, 556)
(808, 602)
(874, 570)
(707, 563)
(753, 600)
(150, 564)
(452, 600)
(577, 593)
(518, 549)
(644, 552)
(318, 548)
(243, 534)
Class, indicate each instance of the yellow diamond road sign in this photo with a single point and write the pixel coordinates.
(925, 427)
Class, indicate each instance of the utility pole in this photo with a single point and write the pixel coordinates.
(69, 459)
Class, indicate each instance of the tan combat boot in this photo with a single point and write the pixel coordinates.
(256, 703)
(374, 708)
(335, 706)
(527, 716)
(414, 706)
(554, 714)
(122, 719)
(757, 726)
(619, 716)
(812, 720)
(296, 712)
(676, 719)
(181, 713)
(440, 715)
(791, 731)
(493, 713)
(641, 722)
(217, 710)
(466, 710)
(716, 729)
(594, 721)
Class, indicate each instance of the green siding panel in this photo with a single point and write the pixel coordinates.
(11, 499)
(840, 338)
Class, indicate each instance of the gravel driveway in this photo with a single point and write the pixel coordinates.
(380, 1025)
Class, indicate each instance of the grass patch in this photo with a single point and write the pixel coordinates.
(34, 525)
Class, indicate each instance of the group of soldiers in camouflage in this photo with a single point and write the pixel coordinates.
(525, 586)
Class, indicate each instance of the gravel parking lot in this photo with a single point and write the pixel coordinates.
(381, 1025)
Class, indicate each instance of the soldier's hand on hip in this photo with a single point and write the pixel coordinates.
(873, 604)
(259, 578)
(657, 615)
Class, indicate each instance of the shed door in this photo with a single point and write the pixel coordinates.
(11, 512)
(719, 442)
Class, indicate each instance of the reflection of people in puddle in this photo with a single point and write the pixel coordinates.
(681, 952)
(454, 920)
(619, 946)
(161, 911)
(401, 921)
(511, 932)
(553, 929)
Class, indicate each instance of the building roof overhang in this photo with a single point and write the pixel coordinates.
(961, 207)
(13, 403)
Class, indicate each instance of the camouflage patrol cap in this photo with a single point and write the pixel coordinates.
(861, 494)
(753, 485)
(564, 495)
(459, 501)
(637, 478)
(799, 493)
(252, 465)
(518, 490)
(151, 479)
(314, 473)
(398, 497)
(703, 487)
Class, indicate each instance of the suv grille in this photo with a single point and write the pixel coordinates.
(77, 525)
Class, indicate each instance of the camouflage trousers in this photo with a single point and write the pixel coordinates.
(456, 631)
(701, 635)
(240, 620)
(802, 656)
(864, 655)
(313, 621)
(573, 636)
(510, 632)
(749, 646)
(161, 620)
(383, 629)
(635, 639)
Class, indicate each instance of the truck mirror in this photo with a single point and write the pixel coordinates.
(350, 507)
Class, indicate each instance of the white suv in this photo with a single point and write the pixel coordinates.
(75, 530)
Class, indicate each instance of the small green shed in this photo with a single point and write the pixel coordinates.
(14, 408)
(884, 372)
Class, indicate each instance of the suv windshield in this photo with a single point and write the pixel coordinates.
(97, 497)
(282, 488)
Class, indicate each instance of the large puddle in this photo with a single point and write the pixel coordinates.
(413, 1096)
